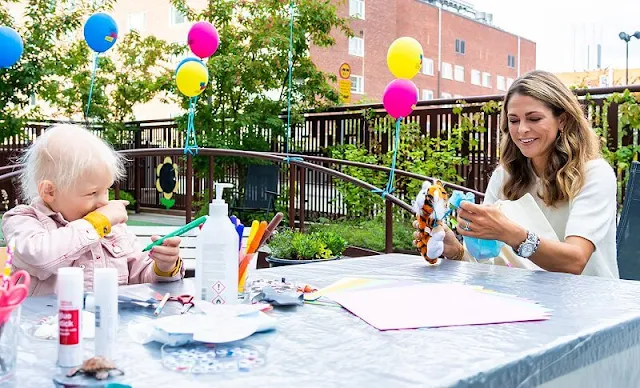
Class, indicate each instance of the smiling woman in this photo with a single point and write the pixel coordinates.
(549, 153)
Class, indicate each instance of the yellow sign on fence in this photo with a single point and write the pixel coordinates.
(344, 86)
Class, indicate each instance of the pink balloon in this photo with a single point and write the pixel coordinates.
(400, 98)
(203, 39)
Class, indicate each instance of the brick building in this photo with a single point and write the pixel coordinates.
(464, 55)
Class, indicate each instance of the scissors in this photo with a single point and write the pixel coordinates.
(185, 299)
(15, 292)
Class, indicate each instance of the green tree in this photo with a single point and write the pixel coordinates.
(134, 73)
(248, 85)
(45, 24)
(248, 75)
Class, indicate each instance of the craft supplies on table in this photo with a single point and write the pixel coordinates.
(14, 289)
(47, 328)
(217, 254)
(106, 316)
(436, 305)
(213, 359)
(70, 302)
(185, 299)
(179, 232)
(215, 324)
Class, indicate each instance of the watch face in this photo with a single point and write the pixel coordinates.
(527, 250)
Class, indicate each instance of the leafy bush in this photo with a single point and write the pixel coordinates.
(123, 195)
(294, 245)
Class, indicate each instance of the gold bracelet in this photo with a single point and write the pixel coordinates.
(173, 272)
(100, 223)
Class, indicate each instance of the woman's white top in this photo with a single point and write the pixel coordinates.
(590, 215)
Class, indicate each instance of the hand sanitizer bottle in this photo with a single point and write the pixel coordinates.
(217, 254)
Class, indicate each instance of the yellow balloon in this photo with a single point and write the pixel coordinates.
(404, 57)
(192, 78)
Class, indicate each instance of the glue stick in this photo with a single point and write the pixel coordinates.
(70, 285)
(105, 287)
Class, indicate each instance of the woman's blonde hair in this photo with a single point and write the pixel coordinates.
(62, 155)
(576, 144)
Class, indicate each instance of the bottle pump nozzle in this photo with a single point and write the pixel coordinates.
(219, 189)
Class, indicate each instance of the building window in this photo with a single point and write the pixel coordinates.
(32, 100)
(459, 73)
(509, 82)
(475, 77)
(357, 84)
(136, 21)
(445, 95)
(447, 70)
(486, 80)
(356, 46)
(460, 46)
(427, 66)
(500, 85)
(511, 61)
(356, 9)
(177, 17)
(427, 94)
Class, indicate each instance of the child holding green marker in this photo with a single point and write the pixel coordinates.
(70, 221)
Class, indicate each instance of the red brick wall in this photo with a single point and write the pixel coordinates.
(487, 47)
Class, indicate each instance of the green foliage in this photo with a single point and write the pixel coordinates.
(249, 72)
(127, 196)
(316, 245)
(622, 154)
(44, 28)
(133, 74)
(436, 156)
(370, 234)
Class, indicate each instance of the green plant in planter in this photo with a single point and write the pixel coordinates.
(292, 245)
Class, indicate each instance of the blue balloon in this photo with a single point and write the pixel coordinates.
(11, 47)
(100, 32)
(189, 59)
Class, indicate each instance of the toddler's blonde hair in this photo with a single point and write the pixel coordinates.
(62, 155)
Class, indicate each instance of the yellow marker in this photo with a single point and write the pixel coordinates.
(252, 233)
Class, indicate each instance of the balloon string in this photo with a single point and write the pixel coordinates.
(93, 79)
(191, 133)
(389, 187)
(288, 158)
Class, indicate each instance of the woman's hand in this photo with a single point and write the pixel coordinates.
(166, 255)
(452, 247)
(488, 222)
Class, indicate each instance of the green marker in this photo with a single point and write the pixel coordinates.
(191, 225)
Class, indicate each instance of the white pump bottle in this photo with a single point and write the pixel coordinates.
(217, 254)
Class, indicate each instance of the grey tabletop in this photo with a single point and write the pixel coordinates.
(326, 346)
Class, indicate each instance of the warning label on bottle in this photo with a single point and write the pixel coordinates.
(218, 287)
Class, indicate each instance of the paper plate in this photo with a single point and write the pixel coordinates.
(227, 330)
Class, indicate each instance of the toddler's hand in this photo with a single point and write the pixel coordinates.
(115, 211)
(166, 255)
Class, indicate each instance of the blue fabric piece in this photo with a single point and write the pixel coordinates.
(479, 248)
(458, 196)
(483, 249)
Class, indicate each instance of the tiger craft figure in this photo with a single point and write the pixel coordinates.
(430, 208)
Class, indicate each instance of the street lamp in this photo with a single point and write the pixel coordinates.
(626, 37)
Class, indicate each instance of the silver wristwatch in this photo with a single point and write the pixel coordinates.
(528, 246)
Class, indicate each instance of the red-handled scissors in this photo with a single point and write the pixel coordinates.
(17, 289)
(185, 299)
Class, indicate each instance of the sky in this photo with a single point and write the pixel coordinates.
(562, 30)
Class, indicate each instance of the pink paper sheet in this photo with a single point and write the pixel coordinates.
(436, 305)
